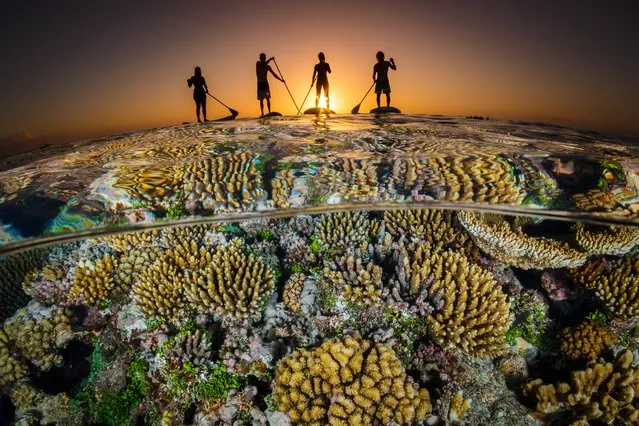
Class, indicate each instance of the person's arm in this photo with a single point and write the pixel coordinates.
(189, 82)
(272, 58)
(328, 68)
(314, 72)
(392, 65)
(275, 75)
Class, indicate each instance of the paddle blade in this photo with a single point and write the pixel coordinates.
(235, 113)
(356, 109)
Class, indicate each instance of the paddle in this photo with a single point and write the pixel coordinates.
(231, 110)
(299, 111)
(355, 110)
(282, 77)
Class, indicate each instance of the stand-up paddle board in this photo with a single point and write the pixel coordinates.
(385, 110)
(230, 117)
(271, 114)
(317, 111)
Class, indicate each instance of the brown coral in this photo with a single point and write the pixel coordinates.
(94, 281)
(475, 313)
(603, 391)
(345, 381)
(612, 240)
(127, 241)
(12, 368)
(292, 292)
(13, 270)
(233, 284)
(359, 283)
(494, 235)
(176, 235)
(194, 347)
(159, 291)
(338, 231)
(587, 340)
(615, 283)
(132, 264)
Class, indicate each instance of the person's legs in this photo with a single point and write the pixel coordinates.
(197, 111)
(328, 100)
(318, 92)
(268, 104)
(262, 106)
(387, 99)
(204, 109)
(378, 96)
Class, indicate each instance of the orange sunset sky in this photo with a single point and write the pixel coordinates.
(75, 68)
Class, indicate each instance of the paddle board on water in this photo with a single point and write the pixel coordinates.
(271, 114)
(385, 110)
(317, 111)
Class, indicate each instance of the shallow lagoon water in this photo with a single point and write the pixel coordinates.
(366, 269)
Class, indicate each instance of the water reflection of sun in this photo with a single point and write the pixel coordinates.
(335, 104)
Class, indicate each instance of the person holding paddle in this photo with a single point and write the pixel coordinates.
(262, 69)
(380, 77)
(322, 79)
(199, 92)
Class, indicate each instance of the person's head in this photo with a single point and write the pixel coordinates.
(262, 56)
(380, 56)
(198, 71)
(321, 56)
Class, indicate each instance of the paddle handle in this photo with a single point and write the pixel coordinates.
(286, 85)
(304, 101)
(369, 90)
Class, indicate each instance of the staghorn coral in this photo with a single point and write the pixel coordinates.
(615, 283)
(127, 241)
(159, 291)
(359, 283)
(495, 236)
(475, 313)
(187, 254)
(176, 235)
(194, 347)
(233, 284)
(613, 240)
(348, 380)
(603, 391)
(292, 292)
(94, 281)
(338, 231)
(37, 333)
(587, 340)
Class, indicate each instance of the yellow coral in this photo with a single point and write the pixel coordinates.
(348, 380)
(457, 409)
(94, 282)
(11, 368)
(603, 391)
(159, 291)
(613, 240)
(233, 284)
(127, 241)
(587, 340)
(292, 292)
(339, 231)
(176, 235)
(615, 283)
(132, 264)
(475, 313)
(495, 236)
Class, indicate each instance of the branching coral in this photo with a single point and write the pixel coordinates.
(339, 231)
(495, 236)
(13, 269)
(348, 381)
(130, 240)
(603, 391)
(475, 313)
(613, 240)
(233, 284)
(587, 340)
(178, 234)
(187, 254)
(359, 283)
(191, 347)
(12, 368)
(159, 291)
(94, 281)
(292, 292)
(615, 283)
(133, 264)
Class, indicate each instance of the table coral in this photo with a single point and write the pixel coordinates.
(612, 240)
(345, 381)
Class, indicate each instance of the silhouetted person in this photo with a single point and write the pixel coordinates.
(322, 79)
(380, 77)
(262, 69)
(199, 92)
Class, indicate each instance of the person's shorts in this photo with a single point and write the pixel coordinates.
(382, 86)
(263, 91)
(321, 84)
(199, 97)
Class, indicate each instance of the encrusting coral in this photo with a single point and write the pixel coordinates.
(615, 283)
(474, 314)
(495, 236)
(587, 340)
(233, 284)
(359, 283)
(346, 381)
(339, 231)
(292, 292)
(94, 281)
(603, 391)
(612, 240)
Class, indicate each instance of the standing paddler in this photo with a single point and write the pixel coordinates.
(380, 77)
(262, 69)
